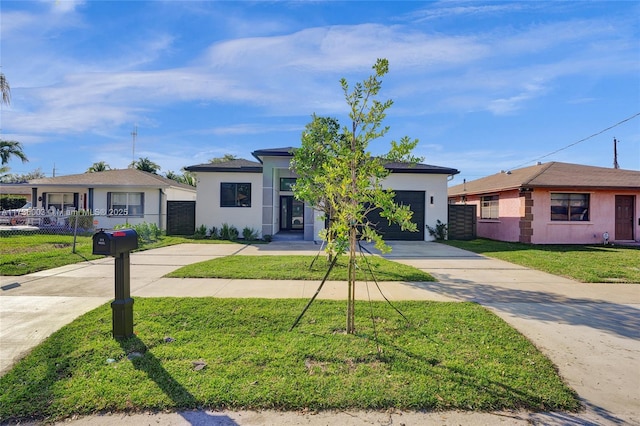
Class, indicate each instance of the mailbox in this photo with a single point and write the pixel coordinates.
(114, 243)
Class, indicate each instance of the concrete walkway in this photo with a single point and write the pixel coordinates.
(590, 331)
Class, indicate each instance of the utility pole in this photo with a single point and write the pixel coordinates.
(615, 154)
(134, 134)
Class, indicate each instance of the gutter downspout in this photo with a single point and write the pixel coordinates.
(160, 193)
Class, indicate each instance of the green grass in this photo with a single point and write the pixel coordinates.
(584, 263)
(297, 267)
(24, 254)
(28, 253)
(448, 356)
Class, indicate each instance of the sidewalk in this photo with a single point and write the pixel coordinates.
(590, 331)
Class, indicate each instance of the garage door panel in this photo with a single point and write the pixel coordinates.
(391, 232)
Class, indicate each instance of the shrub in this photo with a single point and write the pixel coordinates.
(267, 238)
(214, 234)
(228, 232)
(439, 232)
(147, 232)
(8, 203)
(200, 233)
(249, 234)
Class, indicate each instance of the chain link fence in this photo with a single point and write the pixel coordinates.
(39, 225)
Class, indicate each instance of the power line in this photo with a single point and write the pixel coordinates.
(581, 140)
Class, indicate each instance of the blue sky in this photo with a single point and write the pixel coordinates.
(484, 86)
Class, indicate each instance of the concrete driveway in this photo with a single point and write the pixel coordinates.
(590, 331)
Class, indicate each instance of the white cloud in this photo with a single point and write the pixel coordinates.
(446, 9)
(64, 6)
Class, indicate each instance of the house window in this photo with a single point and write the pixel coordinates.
(125, 204)
(235, 194)
(286, 184)
(489, 207)
(570, 207)
(60, 201)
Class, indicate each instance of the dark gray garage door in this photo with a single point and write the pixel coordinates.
(414, 199)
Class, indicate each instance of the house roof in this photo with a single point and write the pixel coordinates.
(399, 167)
(274, 152)
(394, 167)
(123, 177)
(552, 175)
(14, 189)
(238, 165)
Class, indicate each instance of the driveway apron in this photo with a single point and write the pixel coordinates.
(590, 331)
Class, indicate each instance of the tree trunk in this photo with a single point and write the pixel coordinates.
(351, 298)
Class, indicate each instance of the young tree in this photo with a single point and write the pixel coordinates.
(339, 176)
(99, 166)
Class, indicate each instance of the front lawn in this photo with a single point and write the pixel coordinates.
(25, 253)
(238, 354)
(297, 267)
(584, 263)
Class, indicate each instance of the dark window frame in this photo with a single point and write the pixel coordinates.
(287, 183)
(570, 206)
(235, 194)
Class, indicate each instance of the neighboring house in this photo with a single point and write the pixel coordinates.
(258, 195)
(555, 203)
(15, 190)
(114, 197)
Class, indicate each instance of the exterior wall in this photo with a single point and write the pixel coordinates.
(95, 200)
(274, 168)
(264, 213)
(434, 186)
(526, 217)
(151, 213)
(208, 210)
(507, 226)
(601, 219)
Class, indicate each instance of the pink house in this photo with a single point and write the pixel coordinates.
(555, 203)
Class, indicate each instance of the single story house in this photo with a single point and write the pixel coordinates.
(15, 190)
(257, 195)
(113, 197)
(555, 203)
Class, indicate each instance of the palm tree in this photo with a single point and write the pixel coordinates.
(100, 166)
(189, 178)
(5, 89)
(173, 176)
(11, 148)
(145, 165)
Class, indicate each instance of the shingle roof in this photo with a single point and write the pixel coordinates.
(122, 177)
(274, 152)
(550, 175)
(238, 165)
(396, 167)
